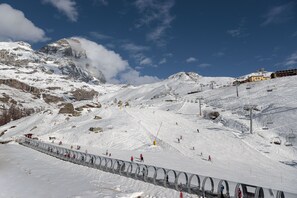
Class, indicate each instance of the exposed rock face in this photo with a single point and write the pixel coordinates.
(20, 85)
(51, 99)
(67, 56)
(96, 129)
(82, 94)
(75, 62)
(67, 109)
(63, 48)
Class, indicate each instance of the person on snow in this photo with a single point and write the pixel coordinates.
(178, 140)
(141, 157)
(106, 152)
(181, 137)
(239, 193)
(198, 130)
(132, 158)
(109, 154)
(222, 190)
(209, 158)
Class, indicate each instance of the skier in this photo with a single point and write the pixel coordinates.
(222, 190)
(106, 152)
(71, 147)
(131, 158)
(109, 155)
(181, 137)
(178, 140)
(141, 157)
(167, 179)
(181, 194)
(209, 158)
(60, 143)
(143, 171)
(198, 130)
(239, 193)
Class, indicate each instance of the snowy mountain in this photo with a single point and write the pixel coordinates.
(64, 57)
(129, 118)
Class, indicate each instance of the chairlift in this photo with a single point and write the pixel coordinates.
(248, 87)
(269, 120)
(265, 128)
(288, 144)
(276, 140)
(269, 89)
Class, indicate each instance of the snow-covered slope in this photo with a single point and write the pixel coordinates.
(133, 117)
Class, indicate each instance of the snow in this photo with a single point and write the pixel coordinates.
(236, 154)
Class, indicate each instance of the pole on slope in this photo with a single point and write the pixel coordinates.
(237, 83)
(155, 141)
(250, 108)
(200, 104)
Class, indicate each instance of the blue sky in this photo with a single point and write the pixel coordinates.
(163, 37)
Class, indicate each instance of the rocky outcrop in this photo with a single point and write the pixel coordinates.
(96, 129)
(83, 94)
(20, 85)
(67, 109)
(64, 48)
(48, 98)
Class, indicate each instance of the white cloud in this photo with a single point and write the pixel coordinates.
(133, 48)
(112, 65)
(137, 53)
(146, 61)
(291, 60)
(15, 26)
(133, 77)
(163, 61)
(157, 13)
(100, 36)
(107, 61)
(67, 7)
(191, 60)
(204, 65)
(279, 14)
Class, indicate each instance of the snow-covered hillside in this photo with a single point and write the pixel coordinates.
(130, 118)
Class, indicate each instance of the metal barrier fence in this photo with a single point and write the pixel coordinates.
(202, 186)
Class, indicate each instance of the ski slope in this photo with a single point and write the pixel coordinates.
(128, 131)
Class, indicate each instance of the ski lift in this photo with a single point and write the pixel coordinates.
(276, 140)
(289, 139)
(264, 128)
(269, 120)
(248, 87)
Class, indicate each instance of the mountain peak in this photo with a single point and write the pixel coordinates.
(185, 76)
(66, 47)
